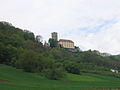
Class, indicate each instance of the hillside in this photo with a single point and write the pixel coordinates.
(16, 79)
(23, 50)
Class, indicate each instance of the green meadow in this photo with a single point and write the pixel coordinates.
(15, 79)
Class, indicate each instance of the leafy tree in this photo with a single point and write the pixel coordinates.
(71, 67)
(28, 60)
(28, 35)
(2, 55)
(7, 54)
(54, 73)
(39, 38)
(15, 40)
(53, 43)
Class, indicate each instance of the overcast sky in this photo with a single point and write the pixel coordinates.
(91, 24)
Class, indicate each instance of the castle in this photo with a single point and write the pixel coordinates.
(63, 42)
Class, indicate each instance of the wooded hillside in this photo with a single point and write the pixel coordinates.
(22, 49)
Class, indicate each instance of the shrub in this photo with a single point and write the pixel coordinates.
(28, 61)
(54, 73)
(72, 67)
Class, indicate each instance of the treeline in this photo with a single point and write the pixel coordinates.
(22, 49)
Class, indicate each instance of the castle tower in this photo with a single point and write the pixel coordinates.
(55, 36)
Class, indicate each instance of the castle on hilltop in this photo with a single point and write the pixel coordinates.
(63, 43)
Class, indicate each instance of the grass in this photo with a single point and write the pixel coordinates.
(16, 79)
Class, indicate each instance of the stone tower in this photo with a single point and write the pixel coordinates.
(55, 36)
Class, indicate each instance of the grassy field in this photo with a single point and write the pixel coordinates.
(15, 79)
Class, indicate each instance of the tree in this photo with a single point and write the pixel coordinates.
(39, 38)
(15, 40)
(29, 35)
(7, 54)
(28, 60)
(53, 43)
(54, 73)
(71, 67)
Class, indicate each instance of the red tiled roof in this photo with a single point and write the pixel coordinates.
(64, 40)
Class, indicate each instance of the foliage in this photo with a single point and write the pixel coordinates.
(54, 73)
(53, 43)
(20, 48)
(71, 67)
(28, 61)
(28, 35)
(39, 38)
(7, 54)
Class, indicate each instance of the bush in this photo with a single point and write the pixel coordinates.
(54, 73)
(28, 61)
(72, 67)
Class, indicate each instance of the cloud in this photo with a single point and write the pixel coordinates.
(84, 21)
(106, 40)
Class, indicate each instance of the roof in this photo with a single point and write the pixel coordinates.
(65, 40)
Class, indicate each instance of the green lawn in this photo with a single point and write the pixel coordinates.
(15, 79)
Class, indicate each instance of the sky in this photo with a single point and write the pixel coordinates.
(91, 24)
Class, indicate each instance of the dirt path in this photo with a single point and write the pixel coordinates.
(10, 82)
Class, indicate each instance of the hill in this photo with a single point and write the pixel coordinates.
(23, 50)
